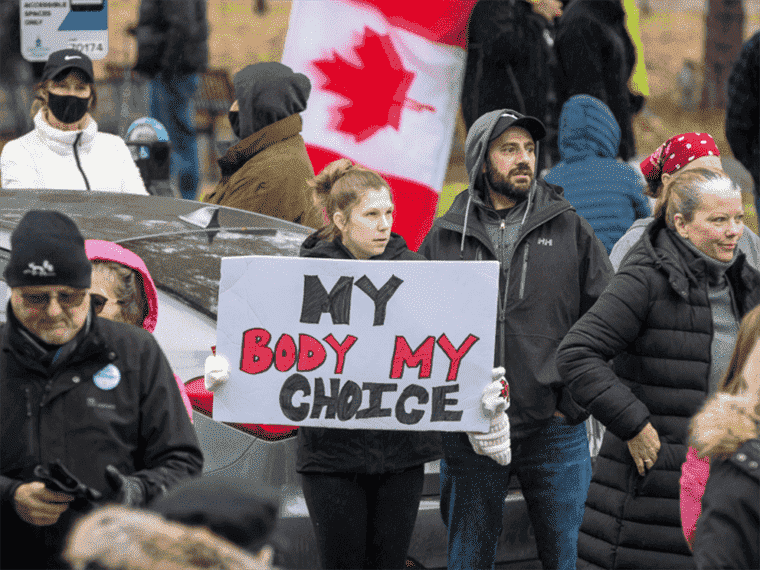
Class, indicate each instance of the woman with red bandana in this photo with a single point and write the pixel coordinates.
(679, 154)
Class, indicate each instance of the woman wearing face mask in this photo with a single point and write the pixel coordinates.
(268, 170)
(362, 487)
(668, 320)
(65, 150)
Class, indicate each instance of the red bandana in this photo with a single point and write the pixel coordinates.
(677, 152)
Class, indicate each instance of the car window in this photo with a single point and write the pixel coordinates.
(187, 265)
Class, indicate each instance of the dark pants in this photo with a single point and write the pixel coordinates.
(363, 521)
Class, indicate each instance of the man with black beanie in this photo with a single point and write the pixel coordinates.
(90, 408)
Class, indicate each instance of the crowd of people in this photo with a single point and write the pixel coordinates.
(647, 320)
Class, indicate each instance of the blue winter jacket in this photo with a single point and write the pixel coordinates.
(606, 192)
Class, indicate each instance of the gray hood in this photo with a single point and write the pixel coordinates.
(476, 147)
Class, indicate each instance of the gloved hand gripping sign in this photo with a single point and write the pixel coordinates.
(494, 401)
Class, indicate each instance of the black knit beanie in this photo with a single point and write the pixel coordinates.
(47, 249)
(240, 510)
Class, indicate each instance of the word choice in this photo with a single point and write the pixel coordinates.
(344, 402)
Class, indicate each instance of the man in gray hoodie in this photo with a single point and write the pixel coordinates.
(553, 268)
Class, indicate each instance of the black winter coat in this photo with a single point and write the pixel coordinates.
(728, 530)
(326, 450)
(511, 64)
(655, 320)
(596, 57)
(743, 112)
(78, 414)
(558, 270)
(172, 37)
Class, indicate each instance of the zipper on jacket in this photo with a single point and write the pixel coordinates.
(503, 308)
(30, 423)
(524, 270)
(79, 164)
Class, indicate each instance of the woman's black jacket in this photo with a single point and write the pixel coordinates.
(655, 320)
(326, 450)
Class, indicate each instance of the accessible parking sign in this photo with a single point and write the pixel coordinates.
(48, 26)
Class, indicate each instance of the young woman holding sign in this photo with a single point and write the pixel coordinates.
(362, 487)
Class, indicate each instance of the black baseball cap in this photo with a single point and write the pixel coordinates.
(510, 118)
(64, 59)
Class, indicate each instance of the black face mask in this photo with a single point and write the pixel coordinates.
(67, 108)
(234, 118)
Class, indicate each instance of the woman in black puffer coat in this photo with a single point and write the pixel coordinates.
(669, 319)
(362, 487)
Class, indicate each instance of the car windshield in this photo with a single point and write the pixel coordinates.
(187, 265)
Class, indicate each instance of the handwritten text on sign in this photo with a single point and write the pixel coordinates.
(356, 344)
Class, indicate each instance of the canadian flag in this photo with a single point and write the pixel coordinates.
(386, 79)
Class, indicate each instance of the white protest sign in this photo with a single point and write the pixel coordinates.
(356, 344)
(48, 26)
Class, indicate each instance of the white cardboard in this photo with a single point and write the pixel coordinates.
(435, 298)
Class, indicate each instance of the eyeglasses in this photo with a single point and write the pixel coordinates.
(99, 302)
(65, 299)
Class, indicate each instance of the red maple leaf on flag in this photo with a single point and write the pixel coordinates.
(376, 88)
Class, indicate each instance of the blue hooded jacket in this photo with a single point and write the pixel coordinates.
(607, 193)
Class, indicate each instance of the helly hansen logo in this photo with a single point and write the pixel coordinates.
(44, 270)
(544, 241)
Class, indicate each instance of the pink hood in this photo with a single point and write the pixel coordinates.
(97, 249)
(108, 251)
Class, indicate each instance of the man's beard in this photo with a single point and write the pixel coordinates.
(501, 184)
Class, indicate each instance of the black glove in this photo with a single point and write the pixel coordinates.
(57, 478)
(130, 490)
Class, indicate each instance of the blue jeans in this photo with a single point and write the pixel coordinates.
(171, 103)
(553, 466)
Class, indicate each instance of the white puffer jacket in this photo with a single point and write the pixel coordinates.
(49, 158)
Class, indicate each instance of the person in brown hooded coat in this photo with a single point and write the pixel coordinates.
(268, 169)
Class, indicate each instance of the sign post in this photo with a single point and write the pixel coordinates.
(48, 26)
(396, 345)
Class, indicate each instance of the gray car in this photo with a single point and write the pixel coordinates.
(182, 243)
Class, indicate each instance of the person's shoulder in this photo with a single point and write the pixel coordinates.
(21, 143)
(409, 255)
(110, 139)
(136, 336)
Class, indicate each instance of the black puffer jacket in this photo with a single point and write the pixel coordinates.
(655, 320)
(113, 400)
(325, 450)
(596, 57)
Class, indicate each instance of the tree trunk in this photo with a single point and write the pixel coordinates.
(723, 42)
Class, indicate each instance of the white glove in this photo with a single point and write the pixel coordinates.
(496, 443)
(495, 397)
(495, 402)
(217, 372)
